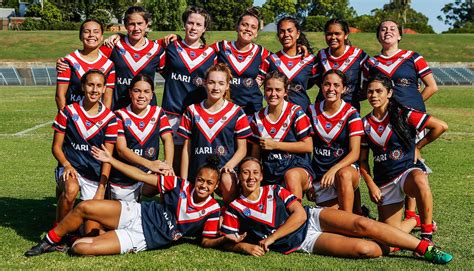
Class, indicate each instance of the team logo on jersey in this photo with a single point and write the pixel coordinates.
(240, 57)
(273, 130)
(88, 123)
(203, 212)
(228, 52)
(260, 207)
(248, 82)
(285, 125)
(270, 197)
(148, 55)
(197, 118)
(339, 152)
(102, 70)
(176, 235)
(246, 212)
(260, 128)
(136, 55)
(190, 209)
(328, 125)
(141, 124)
(150, 152)
(153, 119)
(340, 122)
(182, 195)
(290, 64)
(336, 65)
(99, 123)
(204, 54)
(403, 82)
(210, 120)
(296, 87)
(324, 61)
(348, 61)
(121, 51)
(77, 66)
(197, 81)
(128, 122)
(75, 117)
(396, 154)
(278, 63)
(367, 128)
(379, 129)
(192, 54)
(224, 118)
(180, 49)
(220, 150)
(389, 62)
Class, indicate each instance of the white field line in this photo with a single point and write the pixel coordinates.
(25, 132)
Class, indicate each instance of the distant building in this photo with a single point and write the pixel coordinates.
(5, 15)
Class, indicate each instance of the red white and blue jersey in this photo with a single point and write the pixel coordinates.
(213, 133)
(178, 216)
(331, 140)
(260, 218)
(404, 68)
(292, 126)
(299, 70)
(245, 67)
(142, 134)
(77, 67)
(391, 157)
(81, 132)
(129, 62)
(184, 75)
(351, 64)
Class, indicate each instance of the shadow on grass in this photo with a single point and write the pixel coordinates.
(29, 218)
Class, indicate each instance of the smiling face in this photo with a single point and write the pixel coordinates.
(206, 182)
(194, 27)
(141, 94)
(332, 87)
(335, 36)
(378, 95)
(389, 33)
(247, 29)
(288, 34)
(217, 84)
(275, 91)
(250, 176)
(136, 27)
(91, 35)
(94, 87)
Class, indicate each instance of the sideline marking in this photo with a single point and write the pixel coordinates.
(32, 128)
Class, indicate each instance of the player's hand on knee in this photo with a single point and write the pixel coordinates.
(328, 179)
(69, 173)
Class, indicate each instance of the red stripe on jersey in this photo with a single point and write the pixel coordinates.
(192, 58)
(137, 59)
(418, 119)
(422, 67)
(166, 183)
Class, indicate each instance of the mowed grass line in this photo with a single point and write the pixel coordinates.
(23, 46)
(27, 197)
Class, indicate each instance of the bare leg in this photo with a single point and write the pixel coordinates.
(105, 212)
(336, 221)
(416, 185)
(105, 244)
(297, 181)
(67, 197)
(149, 191)
(178, 150)
(342, 246)
(392, 215)
(228, 187)
(410, 204)
(347, 179)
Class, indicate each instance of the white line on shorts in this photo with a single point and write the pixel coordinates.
(32, 128)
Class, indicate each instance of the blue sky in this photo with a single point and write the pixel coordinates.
(430, 8)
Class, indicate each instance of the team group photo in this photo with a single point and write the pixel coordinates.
(236, 134)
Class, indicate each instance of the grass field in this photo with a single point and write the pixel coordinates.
(27, 196)
(24, 46)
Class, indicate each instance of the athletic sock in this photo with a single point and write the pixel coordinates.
(427, 231)
(52, 238)
(422, 247)
(409, 214)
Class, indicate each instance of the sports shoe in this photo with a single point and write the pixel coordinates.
(431, 244)
(437, 256)
(42, 247)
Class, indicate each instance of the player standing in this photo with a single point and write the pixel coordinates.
(215, 126)
(338, 129)
(282, 138)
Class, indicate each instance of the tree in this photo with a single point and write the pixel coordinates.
(274, 9)
(332, 9)
(459, 14)
(365, 23)
(49, 13)
(102, 15)
(394, 11)
(166, 14)
(225, 13)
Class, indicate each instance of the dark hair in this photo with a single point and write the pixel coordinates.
(90, 20)
(344, 25)
(250, 158)
(89, 72)
(212, 163)
(254, 12)
(338, 73)
(136, 9)
(142, 77)
(379, 27)
(397, 113)
(302, 40)
(203, 13)
(221, 67)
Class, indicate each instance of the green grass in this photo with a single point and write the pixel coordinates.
(27, 196)
(23, 46)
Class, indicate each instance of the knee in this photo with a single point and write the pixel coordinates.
(84, 207)
(367, 249)
(344, 178)
(70, 191)
(293, 177)
(363, 226)
(421, 182)
(83, 248)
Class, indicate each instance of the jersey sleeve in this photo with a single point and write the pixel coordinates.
(106, 50)
(302, 124)
(167, 183)
(165, 126)
(111, 131)
(211, 226)
(418, 119)
(185, 127)
(264, 67)
(60, 121)
(110, 82)
(65, 76)
(421, 66)
(242, 127)
(364, 141)
(286, 196)
(161, 55)
(120, 129)
(255, 136)
(356, 128)
(230, 223)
